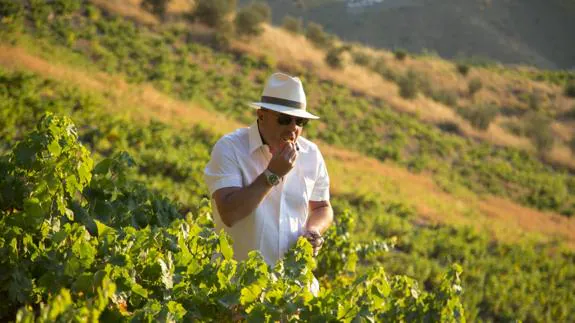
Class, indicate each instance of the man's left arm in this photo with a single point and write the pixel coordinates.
(320, 216)
(319, 219)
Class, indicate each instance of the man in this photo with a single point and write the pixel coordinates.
(268, 184)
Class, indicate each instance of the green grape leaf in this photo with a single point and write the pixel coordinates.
(225, 247)
(32, 207)
(54, 148)
(177, 310)
(138, 289)
(103, 229)
(103, 166)
(167, 278)
(250, 293)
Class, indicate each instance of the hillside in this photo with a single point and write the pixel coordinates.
(155, 94)
(523, 98)
(512, 32)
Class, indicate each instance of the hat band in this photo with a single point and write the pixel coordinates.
(284, 102)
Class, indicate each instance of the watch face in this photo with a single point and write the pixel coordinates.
(274, 179)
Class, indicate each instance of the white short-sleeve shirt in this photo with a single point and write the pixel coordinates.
(237, 160)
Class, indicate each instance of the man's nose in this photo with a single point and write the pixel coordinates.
(292, 125)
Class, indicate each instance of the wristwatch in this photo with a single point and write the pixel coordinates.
(272, 178)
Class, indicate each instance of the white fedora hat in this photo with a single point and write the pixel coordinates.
(284, 94)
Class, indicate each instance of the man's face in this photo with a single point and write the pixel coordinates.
(278, 128)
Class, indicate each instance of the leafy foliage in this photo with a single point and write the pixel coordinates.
(409, 85)
(292, 24)
(61, 254)
(400, 54)
(249, 19)
(214, 12)
(474, 86)
(334, 57)
(463, 69)
(156, 7)
(570, 89)
(317, 35)
(480, 115)
(538, 128)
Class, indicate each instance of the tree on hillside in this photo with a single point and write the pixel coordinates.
(538, 128)
(315, 33)
(334, 57)
(480, 116)
(292, 24)
(156, 7)
(249, 19)
(409, 85)
(213, 12)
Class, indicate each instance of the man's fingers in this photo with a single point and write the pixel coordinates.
(289, 153)
(315, 240)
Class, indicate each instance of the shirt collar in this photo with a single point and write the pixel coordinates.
(255, 137)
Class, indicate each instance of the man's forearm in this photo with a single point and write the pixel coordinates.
(240, 203)
(320, 218)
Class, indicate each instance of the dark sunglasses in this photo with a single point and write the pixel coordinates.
(284, 120)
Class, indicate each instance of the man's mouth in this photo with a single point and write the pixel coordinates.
(290, 140)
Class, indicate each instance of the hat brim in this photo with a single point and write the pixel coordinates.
(283, 109)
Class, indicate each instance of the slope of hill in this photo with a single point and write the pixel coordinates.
(154, 68)
(519, 32)
(445, 98)
(170, 163)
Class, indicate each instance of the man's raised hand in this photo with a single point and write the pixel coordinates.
(283, 159)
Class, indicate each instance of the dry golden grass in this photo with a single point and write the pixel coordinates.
(142, 102)
(350, 171)
(503, 219)
(131, 9)
(127, 8)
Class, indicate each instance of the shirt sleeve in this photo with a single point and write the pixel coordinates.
(321, 187)
(223, 169)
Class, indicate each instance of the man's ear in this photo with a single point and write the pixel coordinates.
(260, 114)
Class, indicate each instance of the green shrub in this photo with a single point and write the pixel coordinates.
(292, 24)
(317, 35)
(213, 12)
(479, 116)
(572, 145)
(361, 58)
(334, 58)
(446, 97)
(249, 19)
(11, 18)
(569, 114)
(65, 7)
(224, 34)
(156, 7)
(538, 128)
(570, 89)
(400, 54)
(535, 100)
(408, 85)
(380, 67)
(474, 86)
(449, 126)
(515, 128)
(463, 69)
